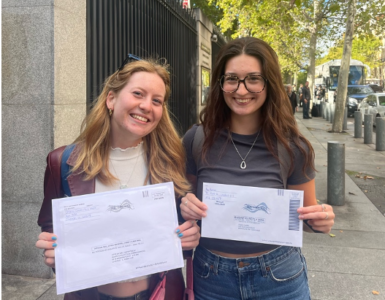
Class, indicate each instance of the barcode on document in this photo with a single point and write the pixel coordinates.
(281, 192)
(293, 215)
(145, 194)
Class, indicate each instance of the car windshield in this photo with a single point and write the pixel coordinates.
(352, 90)
(381, 100)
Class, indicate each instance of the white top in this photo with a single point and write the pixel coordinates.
(130, 167)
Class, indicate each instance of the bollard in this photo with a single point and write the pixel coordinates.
(357, 124)
(332, 114)
(380, 134)
(368, 129)
(345, 126)
(336, 173)
(328, 112)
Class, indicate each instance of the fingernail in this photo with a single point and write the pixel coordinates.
(300, 217)
(178, 230)
(54, 245)
(54, 238)
(180, 234)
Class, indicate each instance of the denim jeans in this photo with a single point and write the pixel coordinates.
(280, 274)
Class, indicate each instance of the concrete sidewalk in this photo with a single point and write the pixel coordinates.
(349, 266)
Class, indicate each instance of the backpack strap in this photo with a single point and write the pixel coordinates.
(65, 169)
(283, 154)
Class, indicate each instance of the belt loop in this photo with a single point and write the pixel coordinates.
(262, 266)
(216, 264)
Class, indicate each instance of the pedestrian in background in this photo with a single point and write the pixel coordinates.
(247, 114)
(300, 95)
(306, 100)
(292, 97)
(127, 140)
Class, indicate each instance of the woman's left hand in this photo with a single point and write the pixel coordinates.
(189, 233)
(321, 217)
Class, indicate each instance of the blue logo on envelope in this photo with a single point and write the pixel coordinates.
(254, 208)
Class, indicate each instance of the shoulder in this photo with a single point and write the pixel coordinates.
(189, 135)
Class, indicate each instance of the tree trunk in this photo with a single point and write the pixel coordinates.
(312, 50)
(344, 70)
(311, 71)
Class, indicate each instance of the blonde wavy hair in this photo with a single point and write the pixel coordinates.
(165, 154)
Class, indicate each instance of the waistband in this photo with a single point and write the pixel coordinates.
(143, 295)
(255, 263)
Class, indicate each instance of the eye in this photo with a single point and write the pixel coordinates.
(158, 101)
(254, 78)
(231, 79)
(137, 93)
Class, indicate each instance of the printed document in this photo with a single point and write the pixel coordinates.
(251, 214)
(114, 236)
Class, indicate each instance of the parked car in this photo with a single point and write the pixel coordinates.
(373, 104)
(355, 95)
(376, 88)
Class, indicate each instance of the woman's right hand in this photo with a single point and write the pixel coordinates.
(47, 241)
(192, 208)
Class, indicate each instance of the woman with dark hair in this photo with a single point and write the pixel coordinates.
(246, 120)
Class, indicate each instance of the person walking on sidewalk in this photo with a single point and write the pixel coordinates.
(292, 97)
(246, 119)
(128, 140)
(306, 100)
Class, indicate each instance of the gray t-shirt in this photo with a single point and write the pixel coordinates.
(263, 170)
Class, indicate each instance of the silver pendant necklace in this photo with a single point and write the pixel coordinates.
(125, 185)
(243, 163)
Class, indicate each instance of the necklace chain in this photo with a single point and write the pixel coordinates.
(243, 163)
(124, 186)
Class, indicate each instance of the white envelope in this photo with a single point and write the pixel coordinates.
(113, 236)
(251, 214)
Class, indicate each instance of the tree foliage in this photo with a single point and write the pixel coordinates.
(364, 48)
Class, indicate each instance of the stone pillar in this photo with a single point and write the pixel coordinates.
(43, 105)
(205, 31)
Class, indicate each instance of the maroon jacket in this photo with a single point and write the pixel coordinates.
(53, 189)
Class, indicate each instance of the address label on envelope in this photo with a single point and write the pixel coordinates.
(252, 214)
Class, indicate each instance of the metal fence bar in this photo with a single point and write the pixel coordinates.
(145, 28)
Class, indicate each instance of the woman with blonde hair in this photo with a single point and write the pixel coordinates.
(127, 140)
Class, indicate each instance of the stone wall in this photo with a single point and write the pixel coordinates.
(43, 104)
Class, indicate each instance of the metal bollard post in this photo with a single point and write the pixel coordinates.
(380, 134)
(327, 112)
(357, 124)
(332, 114)
(336, 173)
(345, 126)
(368, 129)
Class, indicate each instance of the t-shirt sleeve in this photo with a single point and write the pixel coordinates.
(188, 140)
(298, 176)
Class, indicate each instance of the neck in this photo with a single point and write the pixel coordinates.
(124, 143)
(245, 125)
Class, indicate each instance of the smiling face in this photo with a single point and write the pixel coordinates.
(137, 109)
(245, 106)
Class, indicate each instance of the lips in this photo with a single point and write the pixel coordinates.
(140, 118)
(242, 101)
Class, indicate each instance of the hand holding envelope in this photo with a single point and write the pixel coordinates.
(117, 238)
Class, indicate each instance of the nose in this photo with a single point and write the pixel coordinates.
(242, 89)
(146, 104)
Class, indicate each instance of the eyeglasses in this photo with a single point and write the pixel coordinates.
(129, 56)
(253, 83)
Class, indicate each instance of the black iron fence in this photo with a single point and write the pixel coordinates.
(145, 28)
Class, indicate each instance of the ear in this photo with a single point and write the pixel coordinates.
(110, 101)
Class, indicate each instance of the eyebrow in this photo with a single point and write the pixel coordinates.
(155, 95)
(252, 73)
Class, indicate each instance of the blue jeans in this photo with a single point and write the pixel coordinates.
(280, 274)
(305, 109)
